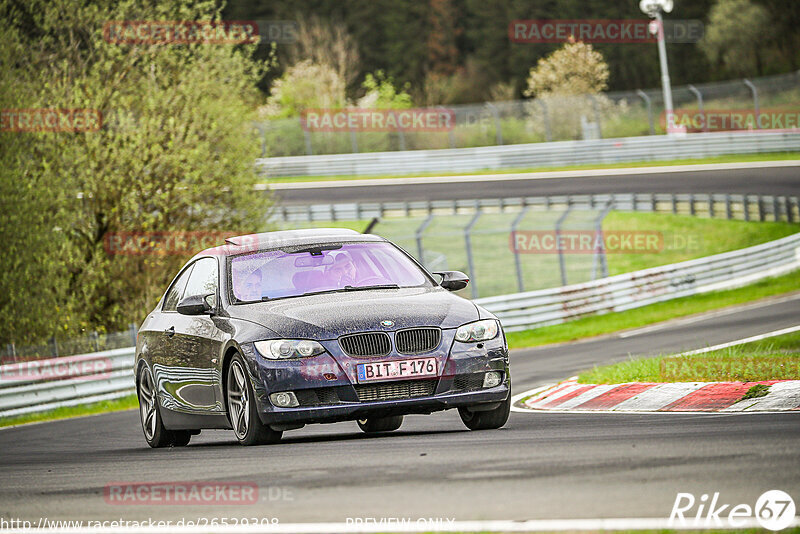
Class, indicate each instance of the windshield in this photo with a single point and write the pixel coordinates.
(339, 267)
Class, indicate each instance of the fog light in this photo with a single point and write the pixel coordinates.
(284, 399)
(492, 379)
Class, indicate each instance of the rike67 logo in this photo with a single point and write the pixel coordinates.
(773, 510)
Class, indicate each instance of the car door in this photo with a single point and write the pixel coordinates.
(159, 333)
(197, 343)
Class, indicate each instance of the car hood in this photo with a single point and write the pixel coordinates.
(331, 315)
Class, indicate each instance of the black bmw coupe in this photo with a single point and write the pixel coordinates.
(273, 331)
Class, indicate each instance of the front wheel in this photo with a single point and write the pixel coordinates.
(242, 409)
(380, 424)
(487, 420)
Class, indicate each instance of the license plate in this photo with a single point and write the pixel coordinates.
(416, 368)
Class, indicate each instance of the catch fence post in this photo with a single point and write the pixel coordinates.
(750, 85)
(468, 243)
(649, 104)
(418, 236)
(517, 261)
(561, 265)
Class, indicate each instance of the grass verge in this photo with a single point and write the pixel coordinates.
(115, 405)
(597, 325)
(734, 158)
(684, 237)
(776, 358)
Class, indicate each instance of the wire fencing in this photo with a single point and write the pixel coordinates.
(514, 245)
(556, 118)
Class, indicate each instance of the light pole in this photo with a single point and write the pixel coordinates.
(653, 9)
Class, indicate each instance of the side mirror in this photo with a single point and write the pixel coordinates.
(195, 305)
(453, 280)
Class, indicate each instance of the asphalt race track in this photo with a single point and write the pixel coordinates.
(766, 181)
(540, 466)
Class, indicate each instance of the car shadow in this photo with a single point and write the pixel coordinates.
(322, 438)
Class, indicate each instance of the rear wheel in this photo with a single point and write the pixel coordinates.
(380, 424)
(242, 409)
(154, 432)
(487, 420)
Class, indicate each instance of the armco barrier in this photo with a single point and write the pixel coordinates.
(625, 149)
(40, 385)
(58, 384)
(632, 290)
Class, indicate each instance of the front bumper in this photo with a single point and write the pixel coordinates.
(328, 390)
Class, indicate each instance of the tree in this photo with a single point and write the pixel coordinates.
(568, 82)
(575, 69)
(382, 94)
(174, 152)
(306, 85)
(735, 35)
(327, 45)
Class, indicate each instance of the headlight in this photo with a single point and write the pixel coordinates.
(284, 349)
(478, 331)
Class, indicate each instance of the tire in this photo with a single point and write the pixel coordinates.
(242, 410)
(182, 438)
(486, 420)
(380, 424)
(153, 428)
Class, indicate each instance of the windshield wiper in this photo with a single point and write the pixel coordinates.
(379, 286)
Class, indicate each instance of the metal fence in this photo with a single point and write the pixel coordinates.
(29, 387)
(479, 237)
(91, 342)
(632, 290)
(521, 156)
(40, 385)
(607, 115)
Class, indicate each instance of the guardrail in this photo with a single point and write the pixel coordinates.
(632, 290)
(728, 206)
(561, 153)
(40, 385)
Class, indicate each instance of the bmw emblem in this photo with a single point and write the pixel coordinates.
(387, 323)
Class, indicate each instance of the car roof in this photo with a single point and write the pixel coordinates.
(287, 238)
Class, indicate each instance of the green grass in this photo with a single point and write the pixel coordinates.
(685, 237)
(759, 390)
(688, 237)
(123, 403)
(775, 358)
(614, 322)
(733, 158)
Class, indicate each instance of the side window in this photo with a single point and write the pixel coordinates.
(176, 291)
(203, 279)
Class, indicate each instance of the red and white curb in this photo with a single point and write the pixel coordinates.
(570, 396)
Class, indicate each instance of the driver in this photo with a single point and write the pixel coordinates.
(251, 288)
(343, 271)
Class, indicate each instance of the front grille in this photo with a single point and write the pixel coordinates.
(417, 340)
(468, 382)
(317, 396)
(404, 389)
(366, 344)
